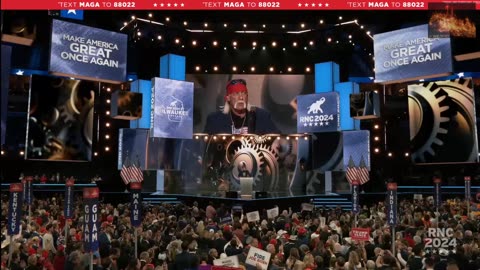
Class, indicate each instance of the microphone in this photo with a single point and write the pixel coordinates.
(252, 119)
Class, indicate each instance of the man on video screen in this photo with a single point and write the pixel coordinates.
(237, 116)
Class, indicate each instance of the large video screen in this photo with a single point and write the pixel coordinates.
(442, 121)
(60, 119)
(274, 93)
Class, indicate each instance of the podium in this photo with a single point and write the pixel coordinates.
(246, 187)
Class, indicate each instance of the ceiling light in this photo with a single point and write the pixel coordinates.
(252, 68)
(185, 23)
(294, 44)
(244, 25)
(274, 44)
(205, 24)
(167, 19)
(289, 69)
(302, 25)
(234, 68)
(271, 69)
(215, 43)
(159, 37)
(150, 15)
(197, 68)
(177, 40)
(254, 43)
(307, 69)
(234, 43)
(215, 68)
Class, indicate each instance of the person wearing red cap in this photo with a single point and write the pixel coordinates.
(237, 116)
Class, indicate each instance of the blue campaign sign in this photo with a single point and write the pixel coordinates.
(468, 188)
(72, 14)
(136, 203)
(318, 112)
(68, 209)
(408, 54)
(88, 53)
(437, 192)
(28, 191)
(392, 204)
(355, 197)
(90, 229)
(172, 109)
(14, 209)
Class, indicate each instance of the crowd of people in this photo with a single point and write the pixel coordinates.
(184, 236)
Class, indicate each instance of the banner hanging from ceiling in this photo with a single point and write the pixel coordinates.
(410, 54)
(87, 53)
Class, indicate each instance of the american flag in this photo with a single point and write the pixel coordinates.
(361, 173)
(131, 172)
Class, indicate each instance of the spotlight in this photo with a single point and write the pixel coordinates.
(196, 137)
(95, 154)
(376, 138)
(2, 152)
(289, 69)
(215, 43)
(108, 89)
(107, 136)
(215, 68)
(307, 69)
(22, 153)
(376, 126)
(254, 44)
(125, 23)
(390, 154)
(167, 19)
(244, 25)
(294, 44)
(321, 21)
(311, 43)
(108, 101)
(340, 18)
(288, 138)
(107, 112)
(133, 17)
(159, 37)
(177, 40)
(283, 25)
(376, 150)
(302, 25)
(252, 68)
(225, 25)
(329, 39)
(107, 148)
(197, 68)
(234, 43)
(150, 15)
(274, 44)
(264, 26)
(407, 154)
(234, 68)
(271, 69)
(185, 23)
(107, 124)
(194, 43)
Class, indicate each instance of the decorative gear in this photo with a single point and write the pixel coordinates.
(430, 109)
(271, 160)
(253, 161)
(282, 147)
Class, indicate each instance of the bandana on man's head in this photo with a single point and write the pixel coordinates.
(235, 86)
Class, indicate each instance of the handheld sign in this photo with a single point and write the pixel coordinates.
(90, 230)
(360, 234)
(392, 204)
(230, 261)
(253, 216)
(68, 208)
(258, 257)
(272, 213)
(14, 209)
(136, 213)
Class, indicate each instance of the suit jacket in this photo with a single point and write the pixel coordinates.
(218, 122)
(186, 261)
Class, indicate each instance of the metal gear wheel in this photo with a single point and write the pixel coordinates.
(253, 160)
(430, 110)
(272, 167)
(282, 147)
